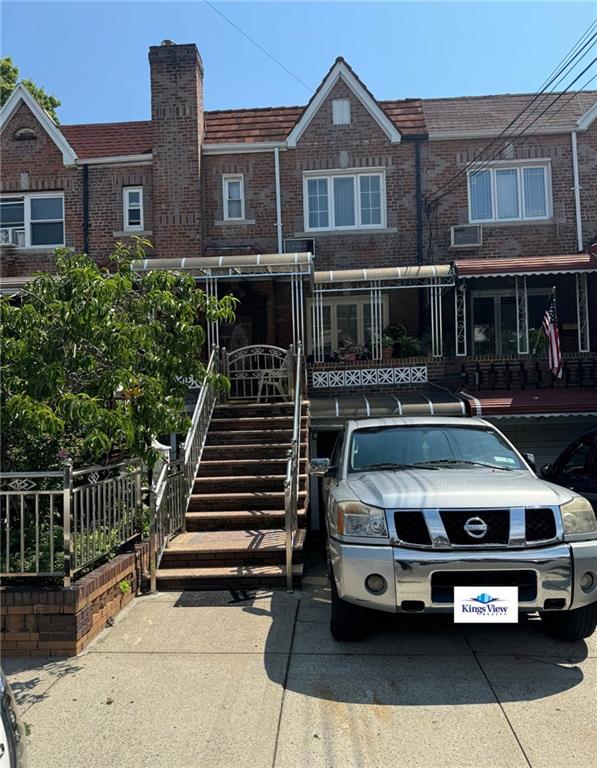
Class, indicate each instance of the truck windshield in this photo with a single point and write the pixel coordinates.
(408, 447)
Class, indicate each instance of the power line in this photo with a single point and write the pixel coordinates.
(257, 45)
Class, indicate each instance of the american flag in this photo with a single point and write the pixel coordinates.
(550, 328)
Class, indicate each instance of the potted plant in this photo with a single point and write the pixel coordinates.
(387, 345)
(348, 349)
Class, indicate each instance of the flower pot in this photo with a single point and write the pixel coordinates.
(349, 357)
(388, 353)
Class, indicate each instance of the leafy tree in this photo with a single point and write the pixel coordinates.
(9, 77)
(95, 362)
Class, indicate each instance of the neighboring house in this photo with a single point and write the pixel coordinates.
(352, 180)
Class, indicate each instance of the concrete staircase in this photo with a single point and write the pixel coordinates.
(235, 521)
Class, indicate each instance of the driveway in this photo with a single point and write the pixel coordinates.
(215, 680)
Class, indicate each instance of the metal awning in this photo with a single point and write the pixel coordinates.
(10, 286)
(243, 265)
(385, 277)
(561, 401)
(530, 265)
(332, 412)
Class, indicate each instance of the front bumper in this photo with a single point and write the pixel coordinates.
(409, 574)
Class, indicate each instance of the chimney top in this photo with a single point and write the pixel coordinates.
(167, 42)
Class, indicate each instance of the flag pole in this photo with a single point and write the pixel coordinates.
(552, 295)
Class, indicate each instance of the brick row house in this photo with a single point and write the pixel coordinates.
(338, 223)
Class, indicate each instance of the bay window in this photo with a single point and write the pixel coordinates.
(32, 220)
(509, 193)
(344, 201)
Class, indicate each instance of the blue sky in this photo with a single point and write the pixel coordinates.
(93, 56)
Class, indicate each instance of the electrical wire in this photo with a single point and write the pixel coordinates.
(260, 47)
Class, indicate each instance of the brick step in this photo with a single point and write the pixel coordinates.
(227, 577)
(230, 548)
(236, 467)
(249, 450)
(253, 519)
(243, 483)
(235, 423)
(238, 410)
(251, 436)
(214, 502)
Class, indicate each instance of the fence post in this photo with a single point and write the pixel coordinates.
(153, 551)
(291, 382)
(67, 500)
(139, 500)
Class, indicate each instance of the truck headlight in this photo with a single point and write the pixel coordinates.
(578, 517)
(356, 519)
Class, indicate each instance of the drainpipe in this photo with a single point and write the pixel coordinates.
(419, 202)
(86, 209)
(278, 198)
(577, 188)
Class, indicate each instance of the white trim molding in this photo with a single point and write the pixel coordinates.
(340, 71)
(22, 95)
(146, 159)
(587, 119)
(228, 178)
(242, 148)
(127, 208)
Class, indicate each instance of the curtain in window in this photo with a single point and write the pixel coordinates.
(480, 192)
(370, 200)
(344, 202)
(506, 183)
(534, 192)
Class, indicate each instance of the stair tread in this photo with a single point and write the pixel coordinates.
(234, 541)
(211, 572)
(229, 513)
(248, 494)
(240, 478)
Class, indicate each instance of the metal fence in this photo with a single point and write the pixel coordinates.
(58, 523)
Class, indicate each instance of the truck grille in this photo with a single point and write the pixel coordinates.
(540, 525)
(443, 583)
(412, 528)
(497, 521)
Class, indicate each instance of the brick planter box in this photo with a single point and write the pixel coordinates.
(62, 622)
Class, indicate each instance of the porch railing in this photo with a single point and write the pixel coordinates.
(291, 483)
(170, 494)
(259, 372)
(61, 522)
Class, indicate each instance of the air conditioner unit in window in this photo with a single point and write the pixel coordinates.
(466, 236)
(299, 245)
(12, 236)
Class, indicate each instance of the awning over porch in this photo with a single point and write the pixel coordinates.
(563, 401)
(256, 265)
(413, 275)
(530, 265)
(332, 412)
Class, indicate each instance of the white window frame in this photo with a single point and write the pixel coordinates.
(126, 207)
(363, 304)
(27, 221)
(329, 178)
(226, 178)
(509, 165)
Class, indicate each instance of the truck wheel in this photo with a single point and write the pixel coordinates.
(346, 624)
(571, 625)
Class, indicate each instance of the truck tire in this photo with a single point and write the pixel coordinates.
(571, 625)
(346, 624)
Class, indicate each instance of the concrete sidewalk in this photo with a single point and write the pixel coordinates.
(197, 680)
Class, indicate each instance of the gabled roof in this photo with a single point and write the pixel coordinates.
(21, 95)
(342, 71)
(110, 139)
(490, 115)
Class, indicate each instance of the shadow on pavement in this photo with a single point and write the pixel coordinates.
(31, 677)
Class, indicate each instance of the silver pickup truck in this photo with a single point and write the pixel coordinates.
(416, 507)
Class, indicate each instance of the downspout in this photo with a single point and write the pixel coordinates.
(86, 209)
(577, 188)
(278, 198)
(419, 202)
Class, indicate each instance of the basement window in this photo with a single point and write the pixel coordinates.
(132, 198)
(32, 221)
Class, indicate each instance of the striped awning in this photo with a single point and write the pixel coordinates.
(332, 412)
(255, 265)
(529, 265)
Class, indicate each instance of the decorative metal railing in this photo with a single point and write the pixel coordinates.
(170, 493)
(59, 523)
(291, 483)
(259, 372)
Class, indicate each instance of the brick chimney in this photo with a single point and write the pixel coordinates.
(177, 125)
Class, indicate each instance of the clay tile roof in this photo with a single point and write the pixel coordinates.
(494, 113)
(109, 139)
(247, 126)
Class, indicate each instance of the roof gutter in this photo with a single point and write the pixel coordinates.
(278, 198)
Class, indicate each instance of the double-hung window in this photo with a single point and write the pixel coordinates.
(344, 201)
(132, 200)
(33, 220)
(234, 198)
(509, 193)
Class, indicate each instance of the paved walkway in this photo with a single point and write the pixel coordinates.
(198, 681)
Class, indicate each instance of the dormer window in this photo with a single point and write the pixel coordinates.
(341, 111)
(25, 134)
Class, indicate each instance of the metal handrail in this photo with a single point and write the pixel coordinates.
(291, 482)
(171, 492)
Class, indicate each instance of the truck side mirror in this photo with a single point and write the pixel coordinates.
(319, 467)
(530, 458)
(546, 470)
